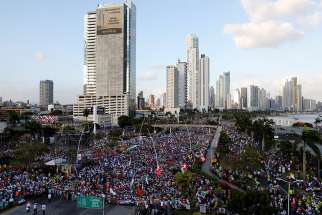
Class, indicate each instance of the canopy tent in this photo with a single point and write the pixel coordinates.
(56, 162)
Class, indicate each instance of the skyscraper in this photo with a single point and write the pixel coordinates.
(110, 60)
(212, 97)
(46, 93)
(219, 96)
(253, 98)
(182, 83)
(227, 95)
(172, 87)
(193, 78)
(292, 95)
(140, 101)
(243, 98)
(204, 82)
(223, 96)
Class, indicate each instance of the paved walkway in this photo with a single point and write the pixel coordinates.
(206, 167)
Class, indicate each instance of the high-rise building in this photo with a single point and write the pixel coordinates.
(227, 95)
(309, 105)
(110, 60)
(193, 78)
(212, 97)
(151, 101)
(262, 99)
(292, 95)
(219, 96)
(182, 83)
(172, 87)
(140, 101)
(163, 100)
(243, 98)
(253, 98)
(46, 93)
(204, 82)
(223, 95)
(278, 102)
(235, 103)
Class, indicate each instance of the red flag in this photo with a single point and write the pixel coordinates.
(158, 171)
(138, 191)
(184, 167)
(203, 159)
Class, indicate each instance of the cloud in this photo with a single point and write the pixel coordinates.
(262, 34)
(40, 56)
(152, 73)
(274, 22)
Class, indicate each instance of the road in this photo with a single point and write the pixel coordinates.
(63, 207)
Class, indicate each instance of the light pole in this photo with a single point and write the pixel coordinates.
(288, 193)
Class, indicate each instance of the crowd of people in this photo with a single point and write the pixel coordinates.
(274, 174)
(140, 172)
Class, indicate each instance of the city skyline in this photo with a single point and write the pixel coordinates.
(264, 64)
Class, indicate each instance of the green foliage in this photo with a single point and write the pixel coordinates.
(249, 159)
(33, 127)
(255, 202)
(124, 121)
(302, 124)
(26, 154)
(13, 118)
(184, 181)
(86, 113)
(115, 134)
(243, 121)
(223, 146)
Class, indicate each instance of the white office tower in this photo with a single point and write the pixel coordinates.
(182, 83)
(219, 96)
(263, 100)
(204, 82)
(292, 95)
(253, 97)
(193, 79)
(223, 95)
(110, 60)
(172, 87)
(90, 54)
(227, 95)
(236, 101)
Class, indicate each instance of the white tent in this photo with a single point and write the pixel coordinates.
(56, 162)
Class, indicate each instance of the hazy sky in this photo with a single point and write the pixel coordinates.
(261, 42)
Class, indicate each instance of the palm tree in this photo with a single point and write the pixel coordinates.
(310, 141)
(86, 113)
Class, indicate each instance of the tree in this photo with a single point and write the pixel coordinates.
(26, 154)
(184, 182)
(124, 121)
(311, 139)
(33, 127)
(13, 118)
(255, 202)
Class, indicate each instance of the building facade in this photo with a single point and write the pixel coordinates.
(172, 87)
(292, 95)
(193, 78)
(110, 60)
(182, 83)
(46, 93)
(204, 82)
(243, 98)
(140, 101)
(253, 98)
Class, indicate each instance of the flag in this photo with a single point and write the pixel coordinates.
(112, 192)
(146, 179)
(158, 171)
(184, 167)
(139, 191)
(203, 159)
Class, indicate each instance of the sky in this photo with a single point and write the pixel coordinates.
(261, 42)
